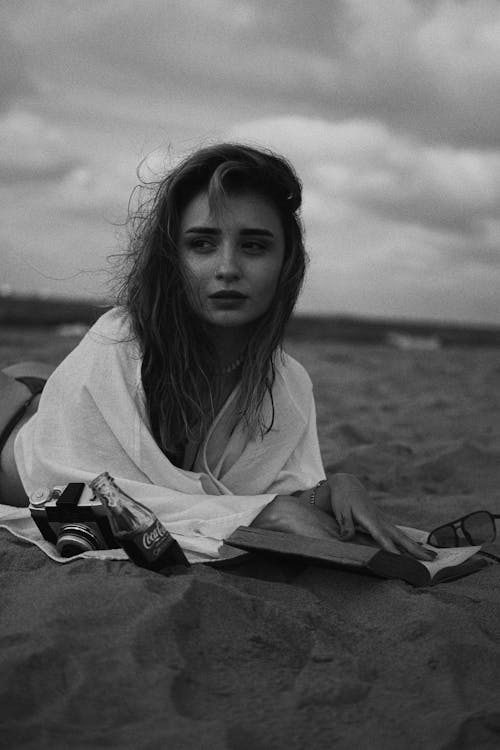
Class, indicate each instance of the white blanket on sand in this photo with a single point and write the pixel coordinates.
(92, 418)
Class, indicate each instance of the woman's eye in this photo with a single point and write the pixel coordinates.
(254, 247)
(201, 244)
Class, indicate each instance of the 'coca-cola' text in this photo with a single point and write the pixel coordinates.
(153, 535)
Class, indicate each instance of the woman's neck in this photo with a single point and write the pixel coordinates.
(229, 344)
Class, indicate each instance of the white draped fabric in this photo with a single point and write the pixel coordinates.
(92, 418)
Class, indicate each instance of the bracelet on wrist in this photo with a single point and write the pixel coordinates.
(312, 496)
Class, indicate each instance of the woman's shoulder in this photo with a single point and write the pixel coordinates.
(295, 381)
(108, 346)
(113, 325)
(293, 372)
(112, 335)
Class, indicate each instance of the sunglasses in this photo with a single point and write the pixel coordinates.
(473, 529)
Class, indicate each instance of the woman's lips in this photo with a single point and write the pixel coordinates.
(227, 295)
(228, 300)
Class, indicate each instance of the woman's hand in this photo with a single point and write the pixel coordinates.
(349, 502)
(342, 507)
(294, 516)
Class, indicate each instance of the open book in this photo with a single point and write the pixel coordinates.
(450, 563)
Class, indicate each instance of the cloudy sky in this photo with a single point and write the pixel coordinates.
(389, 109)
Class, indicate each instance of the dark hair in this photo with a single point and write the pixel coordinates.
(178, 360)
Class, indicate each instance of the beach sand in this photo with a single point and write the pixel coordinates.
(272, 655)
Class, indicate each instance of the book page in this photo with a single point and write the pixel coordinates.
(446, 556)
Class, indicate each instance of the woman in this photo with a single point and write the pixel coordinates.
(182, 391)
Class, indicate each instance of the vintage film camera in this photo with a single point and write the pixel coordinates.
(71, 518)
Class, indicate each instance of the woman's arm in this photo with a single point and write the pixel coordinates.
(341, 504)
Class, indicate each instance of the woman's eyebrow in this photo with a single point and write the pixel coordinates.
(247, 231)
(202, 230)
(257, 231)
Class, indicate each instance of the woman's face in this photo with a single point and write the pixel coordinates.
(233, 260)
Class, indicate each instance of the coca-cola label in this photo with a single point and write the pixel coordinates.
(154, 540)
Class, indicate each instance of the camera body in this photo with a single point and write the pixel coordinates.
(71, 518)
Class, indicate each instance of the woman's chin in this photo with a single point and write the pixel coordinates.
(230, 320)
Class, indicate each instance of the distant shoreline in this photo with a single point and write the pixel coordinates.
(35, 312)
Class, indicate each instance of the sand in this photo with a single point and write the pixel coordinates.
(271, 656)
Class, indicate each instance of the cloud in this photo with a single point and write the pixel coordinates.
(184, 47)
(15, 80)
(445, 188)
(32, 149)
(431, 69)
(365, 164)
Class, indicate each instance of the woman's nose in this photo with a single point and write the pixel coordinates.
(227, 267)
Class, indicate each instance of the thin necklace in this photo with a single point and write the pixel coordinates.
(230, 368)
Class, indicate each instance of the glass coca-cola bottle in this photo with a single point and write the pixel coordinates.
(136, 528)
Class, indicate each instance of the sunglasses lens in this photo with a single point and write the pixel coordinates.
(479, 527)
(443, 537)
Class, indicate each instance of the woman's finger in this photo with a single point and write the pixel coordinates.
(380, 529)
(383, 539)
(344, 517)
(409, 545)
(341, 507)
(394, 540)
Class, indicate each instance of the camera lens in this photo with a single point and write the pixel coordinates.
(76, 538)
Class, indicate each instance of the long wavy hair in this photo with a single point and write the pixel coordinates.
(179, 362)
